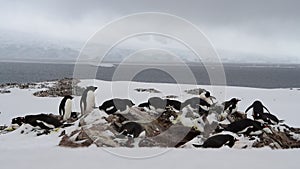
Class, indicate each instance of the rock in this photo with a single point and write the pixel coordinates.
(277, 139)
(149, 90)
(63, 87)
(4, 91)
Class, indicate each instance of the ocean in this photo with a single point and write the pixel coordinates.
(246, 75)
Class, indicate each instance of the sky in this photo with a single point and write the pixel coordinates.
(260, 28)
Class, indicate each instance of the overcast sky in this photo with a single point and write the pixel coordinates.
(261, 27)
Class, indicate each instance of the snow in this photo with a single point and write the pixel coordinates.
(28, 151)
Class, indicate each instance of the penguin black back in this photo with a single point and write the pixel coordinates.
(131, 129)
(83, 99)
(200, 105)
(63, 103)
(157, 102)
(174, 103)
(43, 121)
(218, 141)
(113, 105)
(241, 125)
(258, 108)
(231, 104)
(270, 118)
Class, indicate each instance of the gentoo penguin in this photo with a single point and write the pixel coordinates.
(87, 101)
(229, 107)
(131, 129)
(258, 109)
(113, 105)
(218, 141)
(65, 107)
(43, 121)
(244, 126)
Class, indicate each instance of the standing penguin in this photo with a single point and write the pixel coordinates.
(87, 101)
(260, 115)
(65, 107)
(218, 141)
(258, 109)
(229, 107)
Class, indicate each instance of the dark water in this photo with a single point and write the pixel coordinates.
(248, 75)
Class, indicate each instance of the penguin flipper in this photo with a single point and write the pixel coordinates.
(266, 109)
(67, 125)
(197, 145)
(249, 108)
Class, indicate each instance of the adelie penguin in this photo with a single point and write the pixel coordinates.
(260, 115)
(131, 129)
(113, 105)
(87, 101)
(258, 108)
(244, 126)
(198, 104)
(65, 107)
(230, 107)
(218, 141)
(43, 121)
(207, 97)
(158, 104)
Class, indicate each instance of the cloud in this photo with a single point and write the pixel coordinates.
(259, 27)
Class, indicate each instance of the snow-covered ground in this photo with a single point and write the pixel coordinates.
(28, 151)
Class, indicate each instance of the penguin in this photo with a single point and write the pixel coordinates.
(144, 105)
(65, 107)
(131, 129)
(258, 109)
(160, 105)
(43, 121)
(270, 119)
(207, 97)
(244, 126)
(87, 101)
(199, 104)
(260, 115)
(218, 141)
(229, 107)
(113, 105)
(174, 103)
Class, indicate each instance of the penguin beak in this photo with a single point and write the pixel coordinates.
(238, 100)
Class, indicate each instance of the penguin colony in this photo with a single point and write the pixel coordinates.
(200, 106)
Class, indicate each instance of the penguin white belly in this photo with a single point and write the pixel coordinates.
(68, 109)
(90, 102)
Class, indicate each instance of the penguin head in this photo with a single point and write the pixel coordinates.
(235, 100)
(257, 103)
(206, 94)
(68, 97)
(231, 141)
(18, 120)
(92, 88)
